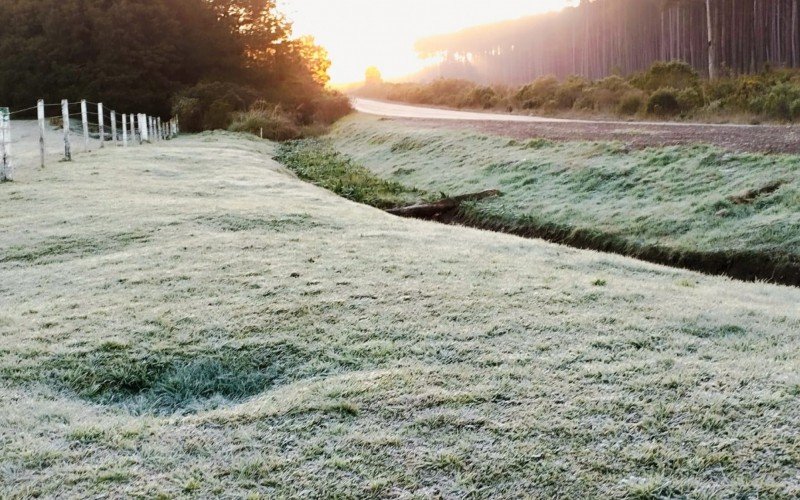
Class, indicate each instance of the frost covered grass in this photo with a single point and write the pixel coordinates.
(675, 200)
(191, 320)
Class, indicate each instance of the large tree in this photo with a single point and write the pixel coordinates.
(136, 54)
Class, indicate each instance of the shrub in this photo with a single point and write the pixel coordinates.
(778, 102)
(615, 84)
(674, 74)
(210, 105)
(631, 102)
(570, 91)
(795, 110)
(276, 124)
(536, 94)
(690, 99)
(330, 107)
(663, 102)
(480, 97)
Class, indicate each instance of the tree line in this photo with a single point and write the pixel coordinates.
(599, 38)
(208, 58)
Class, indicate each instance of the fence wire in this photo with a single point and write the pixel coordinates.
(23, 140)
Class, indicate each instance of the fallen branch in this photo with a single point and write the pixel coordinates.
(431, 210)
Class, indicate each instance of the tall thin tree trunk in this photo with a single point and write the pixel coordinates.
(712, 60)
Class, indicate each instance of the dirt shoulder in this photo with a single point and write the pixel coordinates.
(756, 139)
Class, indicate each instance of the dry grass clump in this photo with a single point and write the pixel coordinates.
(270, 121)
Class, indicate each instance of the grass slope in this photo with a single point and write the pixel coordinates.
(191, 320)
(669, 202)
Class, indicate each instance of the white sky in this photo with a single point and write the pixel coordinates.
(362, 33)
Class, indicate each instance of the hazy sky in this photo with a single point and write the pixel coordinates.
(362, 33)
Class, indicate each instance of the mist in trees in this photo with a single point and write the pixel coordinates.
(603, 37)
(138, 54)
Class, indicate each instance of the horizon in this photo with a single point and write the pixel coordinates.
(367, 40)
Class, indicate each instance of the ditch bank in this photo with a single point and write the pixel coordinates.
(318, 162)
(744, 266)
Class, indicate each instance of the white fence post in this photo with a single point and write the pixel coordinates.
(101, 124)
(133, 128)
(143, 128)
(65, 120)
(124, 130)
(160, 129)
(114, 128)
(85, 120)
(5, 144)
(40, 116)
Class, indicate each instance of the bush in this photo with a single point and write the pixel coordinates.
(331, 107)
(480, 97)
(690, 99)
(663, 102)
(677, 75)
(570, 91)
(536, 94)
(276, 124)
(631, 102)
(211, 105)
(779, 102)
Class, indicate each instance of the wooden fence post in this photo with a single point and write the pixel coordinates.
(40, 116)
(85, 120)
(101, 125)
(114, 128)
(124, 130)
(5, 144)
(65, 120)
(158, 128)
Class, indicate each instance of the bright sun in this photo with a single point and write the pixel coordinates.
(362, 33)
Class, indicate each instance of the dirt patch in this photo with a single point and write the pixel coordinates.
(756, 139)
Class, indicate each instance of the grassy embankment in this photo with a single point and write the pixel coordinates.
(189, 320)
(675, 205)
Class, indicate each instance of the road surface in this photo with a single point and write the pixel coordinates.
(734, 137)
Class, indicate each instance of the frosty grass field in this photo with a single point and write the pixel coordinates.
(190, 319)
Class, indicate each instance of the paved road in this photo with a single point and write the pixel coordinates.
(636, 134)
(396, 110)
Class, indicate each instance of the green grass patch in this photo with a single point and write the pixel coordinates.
(316, 161)
(164, 382)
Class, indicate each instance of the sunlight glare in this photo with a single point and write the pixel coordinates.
(363, 33)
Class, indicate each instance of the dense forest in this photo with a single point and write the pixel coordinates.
(204, 59)
(599, 38)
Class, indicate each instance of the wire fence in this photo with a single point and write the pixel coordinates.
(74, 126)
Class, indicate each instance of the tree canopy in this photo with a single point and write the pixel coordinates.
(137, 54)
